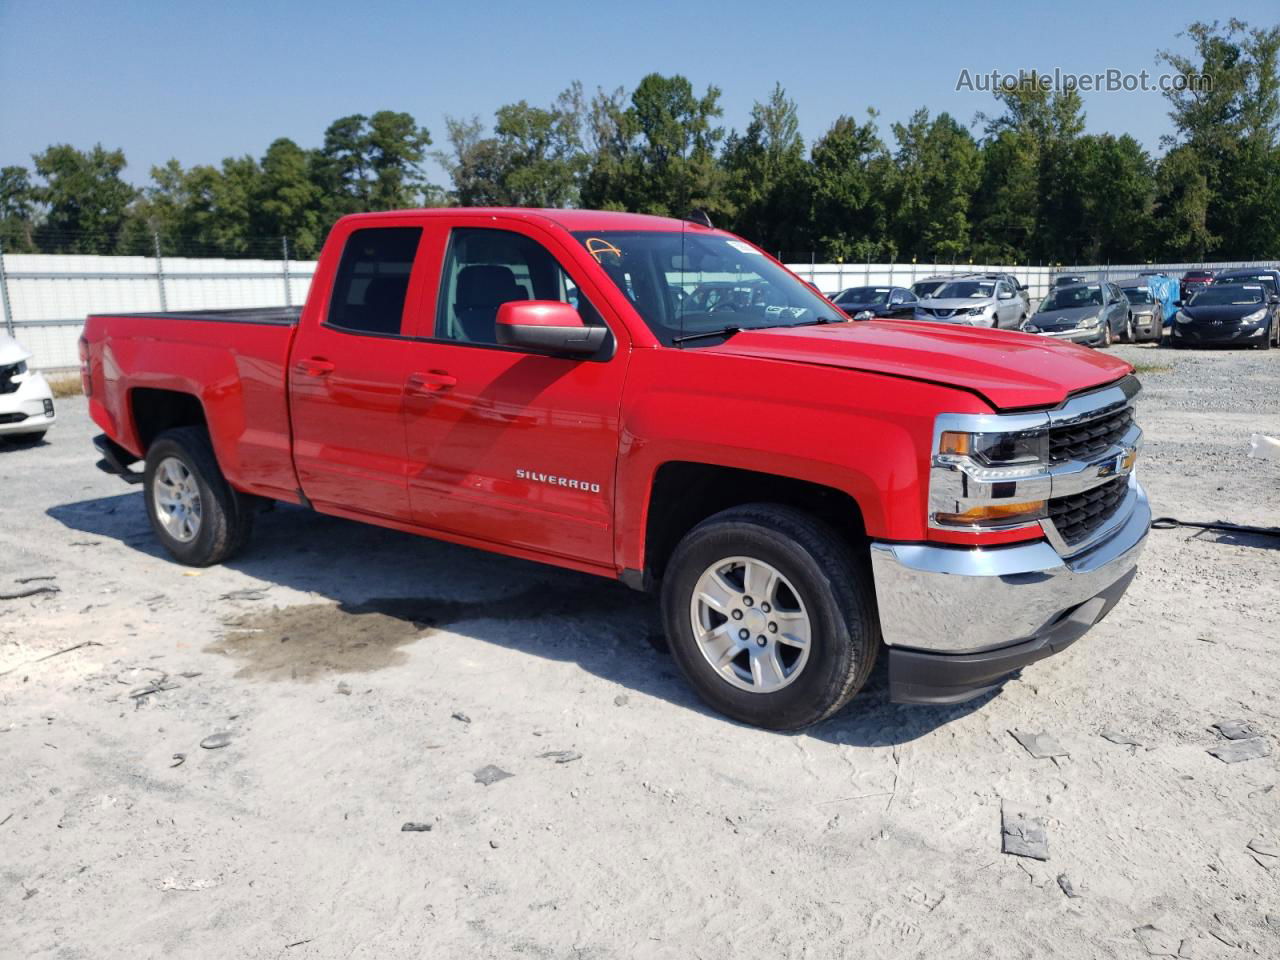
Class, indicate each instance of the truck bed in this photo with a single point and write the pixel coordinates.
(278, 316)
(233, 361)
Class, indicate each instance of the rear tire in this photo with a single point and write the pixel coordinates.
(818, 586)
(195, 513)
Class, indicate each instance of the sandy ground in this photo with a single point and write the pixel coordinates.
(363, 677)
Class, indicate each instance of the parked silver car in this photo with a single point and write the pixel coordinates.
(977, 302)
(1092, 314)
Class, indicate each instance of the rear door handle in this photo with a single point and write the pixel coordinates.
(314, 367)
(430, 383)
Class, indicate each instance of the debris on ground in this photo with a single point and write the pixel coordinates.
(1067, 887)
(1123, 739)
(1234, 751)
(215, 741)
(188, 883)
(159, 685)
(490, 774)
(414, 827)
(1265, 852)
(493, 844)
(1024, 836)
(1039, 745)
(561, 756)
(1158, 942)
(178, 759)
(344, 688)
(1238, 729)
(621, 700)
(30, 592)
(459, 715)
(249, 593)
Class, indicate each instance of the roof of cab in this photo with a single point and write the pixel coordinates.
(572, 220)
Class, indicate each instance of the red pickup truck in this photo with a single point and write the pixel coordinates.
(663, 403)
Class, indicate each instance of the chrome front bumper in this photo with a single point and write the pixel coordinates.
(964, 617)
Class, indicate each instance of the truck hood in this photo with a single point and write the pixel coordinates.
(1009, 370)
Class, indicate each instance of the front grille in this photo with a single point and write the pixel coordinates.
(1080, 441)
(6, 378)
(940, 312)
(1078, 516)
(12, 417)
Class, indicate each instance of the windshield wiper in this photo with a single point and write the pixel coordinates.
(705, 334)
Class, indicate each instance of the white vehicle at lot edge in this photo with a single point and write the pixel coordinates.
(26, 402)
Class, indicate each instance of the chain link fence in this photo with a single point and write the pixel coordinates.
(45, 297)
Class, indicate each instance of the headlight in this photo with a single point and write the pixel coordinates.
(978, 311)
(1181, 317)
(1087, 322)
(1030, 328)
(998, 456)
(1254, 317)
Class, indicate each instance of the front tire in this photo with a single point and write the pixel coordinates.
(1106, 335)
(195, 513)
(770, 615)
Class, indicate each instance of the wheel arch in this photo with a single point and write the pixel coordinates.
(684, 493)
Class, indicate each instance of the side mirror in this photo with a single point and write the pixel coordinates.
(864, 315)
(1006, 294)
(1273, 300)
(548, 327)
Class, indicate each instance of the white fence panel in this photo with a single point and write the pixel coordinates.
(48, 296)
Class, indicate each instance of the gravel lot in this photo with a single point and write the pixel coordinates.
(363, 677)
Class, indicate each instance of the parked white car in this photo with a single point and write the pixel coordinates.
(26, 402)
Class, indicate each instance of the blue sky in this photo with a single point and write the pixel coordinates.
(201, 81)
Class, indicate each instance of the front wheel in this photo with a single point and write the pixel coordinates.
(1106, 334)
(770, 615)
(1130, 334)
(196, 515)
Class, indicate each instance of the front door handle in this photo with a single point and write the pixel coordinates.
(430, 383)
(314, 367)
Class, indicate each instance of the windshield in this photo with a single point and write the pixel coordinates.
(1268, 283)
(1138, 294)
(966, 289)
(1067, 281)
(688, 283)
(1069, 298)
(868, 295)
(926, 288)
(1221, 295)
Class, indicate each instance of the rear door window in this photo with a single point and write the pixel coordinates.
(372, 283)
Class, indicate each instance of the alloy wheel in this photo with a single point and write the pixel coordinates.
(750, 624)
(177, 499)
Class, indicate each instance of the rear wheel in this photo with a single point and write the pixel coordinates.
(195, 513)
(770, 615)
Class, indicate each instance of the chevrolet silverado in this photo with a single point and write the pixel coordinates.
(659, 402)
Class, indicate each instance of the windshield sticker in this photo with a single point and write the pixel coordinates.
(743, 247)
(598, 247)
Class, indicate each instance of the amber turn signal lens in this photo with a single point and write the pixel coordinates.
(956, 444)
(994, 515)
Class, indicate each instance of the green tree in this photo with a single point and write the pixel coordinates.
(85, 199)
(17, 210)
(289, 202)
(534, 159)
(372, 163)
(766, 176)
(939, 166)
(1231, 129)
(851, 180)
(1181, 217)
(659, 154)
(1117, 184)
